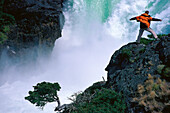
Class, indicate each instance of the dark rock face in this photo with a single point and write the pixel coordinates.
(38, 24)
(131, 64)
(164, 50)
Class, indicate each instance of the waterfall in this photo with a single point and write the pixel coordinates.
(93, 30)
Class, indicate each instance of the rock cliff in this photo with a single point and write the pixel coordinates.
(38, 24)
(139, 72)
(131, 64)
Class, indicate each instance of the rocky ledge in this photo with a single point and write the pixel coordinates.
(133, 63)
(138, 72)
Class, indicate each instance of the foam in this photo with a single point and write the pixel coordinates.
(80, 56)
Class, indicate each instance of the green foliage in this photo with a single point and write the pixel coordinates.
(160, 68)
(126, 52)
(164, 71)
(6, 29)
(145, 41)
(125, 55)
(159, 35)
(155, 87)
(5, 21)
(3, 37)
(103, 101)
(142, 50)
(43, 93)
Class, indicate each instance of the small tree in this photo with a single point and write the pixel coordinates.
(43, 93)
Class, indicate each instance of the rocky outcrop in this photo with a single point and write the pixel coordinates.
(131, 65)
(138, 72)
(38, 24)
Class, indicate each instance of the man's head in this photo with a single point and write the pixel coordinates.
(147, 12)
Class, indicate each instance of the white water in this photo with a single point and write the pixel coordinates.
(90, 37)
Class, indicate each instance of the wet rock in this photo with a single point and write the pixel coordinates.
(164, 50)
(38, 24)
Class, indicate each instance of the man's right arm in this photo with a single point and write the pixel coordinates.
(134, 18)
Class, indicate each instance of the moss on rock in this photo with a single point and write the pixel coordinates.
(160, 68)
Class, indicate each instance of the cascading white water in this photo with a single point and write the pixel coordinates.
(93, 30)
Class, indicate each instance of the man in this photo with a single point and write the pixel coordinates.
(144, 20)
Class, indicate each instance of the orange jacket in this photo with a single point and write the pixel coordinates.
(145, 19)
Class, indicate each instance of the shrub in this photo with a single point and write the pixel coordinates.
(6, 29)
(145, 41)
(159, 35)
(5, 21)
(3, 37)
(142, 50)
(125, 55)
(154, 95)
(102, 101)
(164, 71)
(126, 52)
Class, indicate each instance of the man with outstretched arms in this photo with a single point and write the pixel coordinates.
(144, 20)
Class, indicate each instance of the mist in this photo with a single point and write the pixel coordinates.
(80, 56)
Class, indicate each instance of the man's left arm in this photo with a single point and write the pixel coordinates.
(134, 18)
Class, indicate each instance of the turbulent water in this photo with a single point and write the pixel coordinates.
(93, 30)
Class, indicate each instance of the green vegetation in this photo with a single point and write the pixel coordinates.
(160, 68)
(142, 50)
(102, 101)
(5, 21)
(43, 93)
(164, 71)
(6, 29)
(151, 38)
(3, 37)
(125, 54)
(145, 41)
(159, 35)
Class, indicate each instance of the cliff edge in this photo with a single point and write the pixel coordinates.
(131, 65)
(140, 76)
